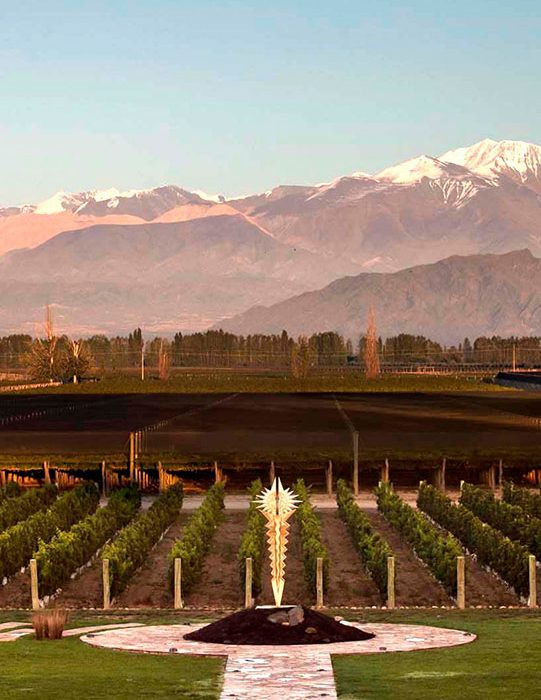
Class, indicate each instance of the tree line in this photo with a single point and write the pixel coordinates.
(59, 357)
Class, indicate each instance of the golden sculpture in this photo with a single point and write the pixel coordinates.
(277, 505)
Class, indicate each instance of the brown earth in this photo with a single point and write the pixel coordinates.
(349, 582)
(16, 593)
(149, 587)
(413, 578)
(256, 626)
(415, 585)
(483, 588)
(219, 586)
(84, 591)
(252, 424)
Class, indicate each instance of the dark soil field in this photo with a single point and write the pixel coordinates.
(298, 431)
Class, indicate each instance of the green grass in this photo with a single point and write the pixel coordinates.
(223, 381)
(504, 663)
(67, 668)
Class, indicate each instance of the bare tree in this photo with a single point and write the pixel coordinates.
(371, 355)
(164, 360)
(301, 358)
(43, 358)
(76, 360)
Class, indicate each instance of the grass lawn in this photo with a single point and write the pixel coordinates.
(504, 663)
(69, 669)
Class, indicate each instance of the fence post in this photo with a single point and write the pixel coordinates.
(160, 477)
(391, 597)
(34, 584)
(106, 584)
(500, 473)
(248, 584)
(328, 478)
(386, 471)
(272, 473)
(46, 473)
(132, 456)
(532, 599)
(442, 474)
(319, 582)
(461, 582)
(178, 584)
(103, 479)
(355, 436)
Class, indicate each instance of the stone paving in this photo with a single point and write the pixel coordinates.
(301, 671)
(10, 631)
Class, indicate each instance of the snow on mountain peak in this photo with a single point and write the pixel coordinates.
(516, 159)
(415, 169)
(59, 202)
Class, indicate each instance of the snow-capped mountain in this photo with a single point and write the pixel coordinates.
(517, 160)
(482, 199)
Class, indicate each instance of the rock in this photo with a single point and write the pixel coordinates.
(278, 617)
(296, 615)
(311, 630)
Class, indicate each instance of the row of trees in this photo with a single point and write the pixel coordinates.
(54, 357)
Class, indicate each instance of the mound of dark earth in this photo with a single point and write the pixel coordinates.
(296, 625)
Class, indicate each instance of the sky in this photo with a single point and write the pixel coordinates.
(238, 97)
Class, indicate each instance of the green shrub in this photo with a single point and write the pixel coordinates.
(512, 520)
(311, 544)
(129, 549)
(58, 559)
(13, 510)
(372, 548)
(18, 543)
(196, 539)
(517, 496)
(439, 551)
(10, 490)
(252, 543)
(491, 547)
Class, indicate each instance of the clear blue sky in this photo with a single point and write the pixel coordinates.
(236, 97)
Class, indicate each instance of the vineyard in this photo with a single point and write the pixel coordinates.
(79, 550)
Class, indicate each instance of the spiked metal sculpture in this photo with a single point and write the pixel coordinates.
(277, 505)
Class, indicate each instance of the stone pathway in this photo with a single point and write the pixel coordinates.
(300, 672)
(10, 631)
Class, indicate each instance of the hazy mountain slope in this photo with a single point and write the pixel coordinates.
(448, 300)
(171, 275)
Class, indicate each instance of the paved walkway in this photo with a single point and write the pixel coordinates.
(301, 672)
(10, 631)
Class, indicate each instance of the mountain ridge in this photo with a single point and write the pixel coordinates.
(447, 301)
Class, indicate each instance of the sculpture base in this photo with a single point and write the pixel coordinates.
(282, 625)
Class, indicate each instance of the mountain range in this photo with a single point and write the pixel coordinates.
(446, 301)
(170, 259)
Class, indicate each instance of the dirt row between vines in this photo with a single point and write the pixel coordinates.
(415, 585)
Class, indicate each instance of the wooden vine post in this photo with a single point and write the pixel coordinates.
(106, 585)
(132, 456)
(34, 584)
(461, 582)
(177, 581)
(272, 473)
(328, 478)
(248, 584)
(319, 582)
(355, 437)
(391, 595)
(532, 599)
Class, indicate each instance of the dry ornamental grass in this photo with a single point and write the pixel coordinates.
(49, 624)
